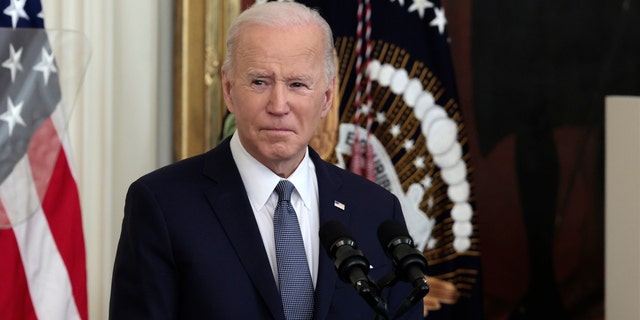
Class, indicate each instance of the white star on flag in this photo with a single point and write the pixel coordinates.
(16, 11)
(381, 117)
(426, 182)
(419, 162)
(408, 145)
(440, 21)
(13, 63)
(364, 109)
(395, 130)
(420, 6)
(12, 115)
(46, 65)
(432, 243)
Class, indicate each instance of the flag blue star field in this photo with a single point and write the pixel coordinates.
(399, 102)
(42, 254)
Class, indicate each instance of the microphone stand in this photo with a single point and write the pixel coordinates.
(371, 296)
(420, 289)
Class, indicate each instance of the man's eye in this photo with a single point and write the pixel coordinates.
(258, 82)
(298, 85)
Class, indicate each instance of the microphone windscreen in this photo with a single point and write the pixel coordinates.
(389, 230)
(330, 232)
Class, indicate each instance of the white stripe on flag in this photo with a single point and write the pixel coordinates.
(60, 122)
(47, 277)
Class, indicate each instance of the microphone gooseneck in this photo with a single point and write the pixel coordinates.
(351, 264)
(410, 264)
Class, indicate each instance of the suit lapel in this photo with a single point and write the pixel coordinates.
(328, 193)
(230, 204)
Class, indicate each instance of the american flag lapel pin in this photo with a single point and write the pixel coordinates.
(338, 204)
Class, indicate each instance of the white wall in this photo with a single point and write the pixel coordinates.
(622, 220)
(121, 125)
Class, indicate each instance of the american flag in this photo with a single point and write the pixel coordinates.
(42, 253)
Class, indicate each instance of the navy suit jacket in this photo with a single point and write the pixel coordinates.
(190, 247)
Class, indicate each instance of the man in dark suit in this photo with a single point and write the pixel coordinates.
(198, 239)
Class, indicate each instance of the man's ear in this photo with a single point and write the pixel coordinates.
(328, 97)
(226, 90)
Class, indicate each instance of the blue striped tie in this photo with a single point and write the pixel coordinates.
(294, 278)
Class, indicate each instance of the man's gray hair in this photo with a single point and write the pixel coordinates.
(280, 14)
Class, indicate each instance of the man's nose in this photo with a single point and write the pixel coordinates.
(278, 102)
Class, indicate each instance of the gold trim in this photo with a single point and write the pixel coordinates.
(200, 27)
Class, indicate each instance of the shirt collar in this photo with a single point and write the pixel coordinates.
(260, 182)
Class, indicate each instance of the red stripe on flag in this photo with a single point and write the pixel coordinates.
(61, 206)
(15, 300)
(58, 192)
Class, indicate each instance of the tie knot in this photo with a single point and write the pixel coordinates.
(284, 189)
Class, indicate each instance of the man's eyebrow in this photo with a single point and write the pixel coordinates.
(303, 78)
(258, 74)
(289, 78)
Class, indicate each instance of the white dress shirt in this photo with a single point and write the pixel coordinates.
(260, 183)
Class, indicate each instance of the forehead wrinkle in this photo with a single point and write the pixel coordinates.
(272, 62)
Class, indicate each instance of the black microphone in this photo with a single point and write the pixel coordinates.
(351, 264)
(398, 244)
(410, 264)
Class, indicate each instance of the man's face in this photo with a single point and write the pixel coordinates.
(278, 92)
